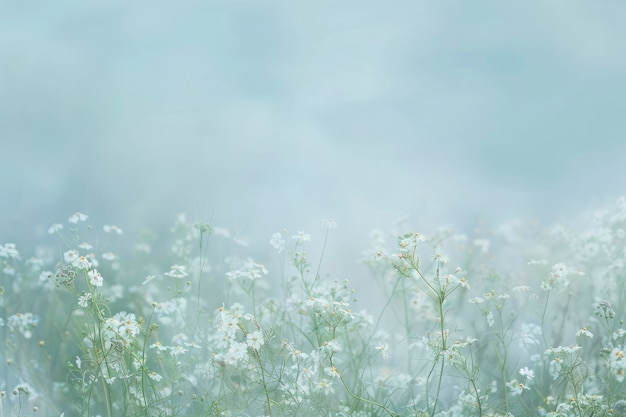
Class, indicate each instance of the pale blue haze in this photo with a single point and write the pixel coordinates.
(261, 115)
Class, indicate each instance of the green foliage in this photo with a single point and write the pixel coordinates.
(177, 329)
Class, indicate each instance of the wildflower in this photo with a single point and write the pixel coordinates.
(331, 346)
(255, 340)
(95, 278)
(331, 371)
(23, 323)
(81, 263)
(584, 332)
(329, 224)
(178, 350)
(77, 217)
(604, 310)
(8, 250)
(158, 346)
(122, 326)
(324, 386)
(56, 227)
(490, 319)
(236, 352)
(148, 279)
(83, 300)
(517, 388)
(383, 349)
(177, 271)
(85, 246)
(108, 256)
(112, 229)
(154, 376)
(528, 373)
(65, 276)
(277, 242)
(70, 256)
(302, 237)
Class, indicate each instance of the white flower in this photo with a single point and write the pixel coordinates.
(108, 256)
(70, 256)
(301, 237)
(154, 376)
(528, 373)
(78, 362)
(177, 271)
(331, 371)
(329, 224)
(83, 300)
(236, 352)
(81, 263)
(324, 386)
(95, 278)
(9, 250)
(56, 227)
(384, 349)
(490, 319)
(77, 217)
(584, 332)
(85, 246)
(158, 346)
(331, 346)
(278, 242)
(112, 229)
(517, 388)
(255, 339)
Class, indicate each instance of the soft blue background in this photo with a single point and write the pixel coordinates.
(261, 115)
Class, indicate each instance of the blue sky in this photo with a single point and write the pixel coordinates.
(270, 114)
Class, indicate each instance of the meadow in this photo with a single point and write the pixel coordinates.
(516, 320)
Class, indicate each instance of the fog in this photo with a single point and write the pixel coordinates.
(264, 115)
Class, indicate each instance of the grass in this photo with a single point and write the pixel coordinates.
(511, 322)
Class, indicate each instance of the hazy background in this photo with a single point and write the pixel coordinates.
(259, 115)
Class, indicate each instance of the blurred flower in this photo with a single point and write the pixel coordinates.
(9, 250)
(108, 256)
(177, 271)
(277, 242)
(302, 237)
(95, 278)
(329, 223)
(255, 340)
(81, 263)
(584, 332)
(83, 300)
(56, 227)
(383, 349)
(516, 388)
(112, 229)
(528, 373)
(324, 386)
(70, 256)
(77, 217)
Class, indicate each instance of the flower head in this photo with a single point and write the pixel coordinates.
(77, 217)
(95, 278)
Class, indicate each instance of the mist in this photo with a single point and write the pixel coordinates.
(259, 116)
